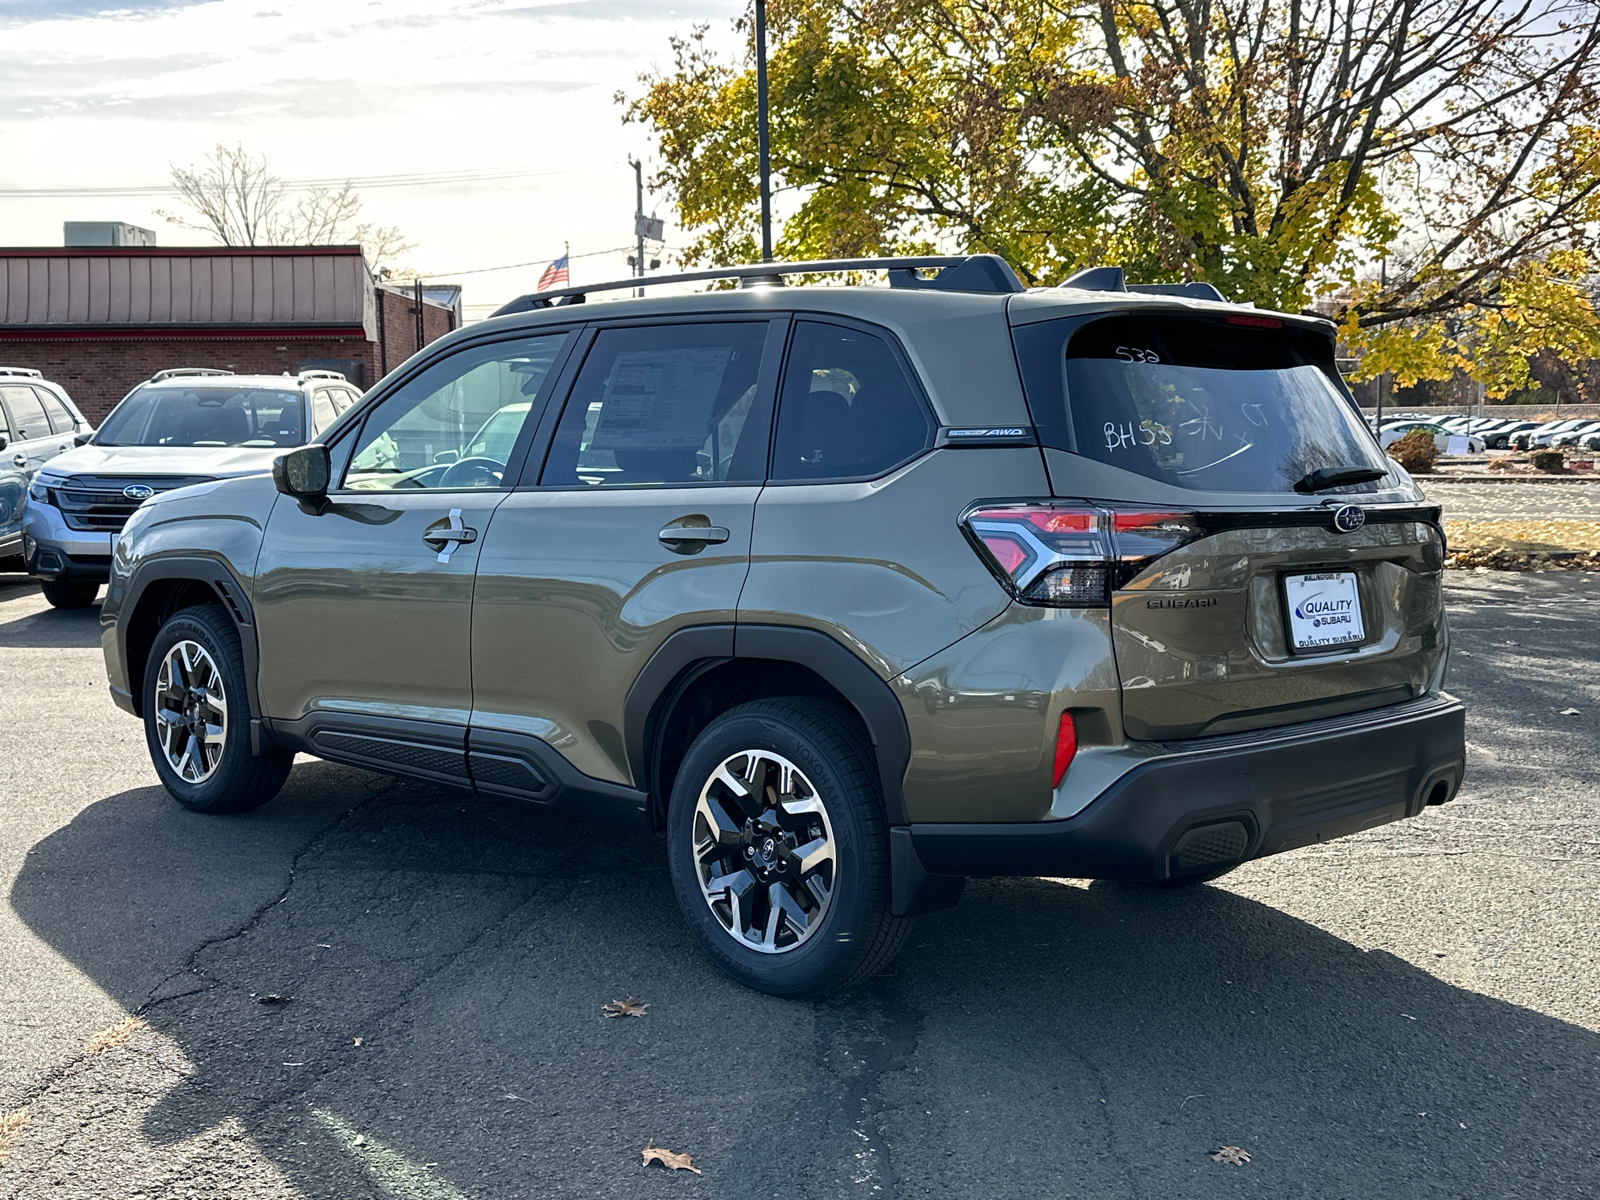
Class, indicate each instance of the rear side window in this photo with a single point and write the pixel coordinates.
(1194, 402)
(322, 410)
(659, 405)
(27, 414)
(848, 410)
(60, 419)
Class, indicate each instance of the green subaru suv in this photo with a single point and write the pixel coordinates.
(848, 592)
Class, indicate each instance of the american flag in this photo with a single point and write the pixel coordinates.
(555, 273)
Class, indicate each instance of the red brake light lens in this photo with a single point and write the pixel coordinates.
(1073, 555)
(1066, 748)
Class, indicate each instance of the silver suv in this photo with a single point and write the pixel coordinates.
(182, 426)
(848, 592)
(38, 421)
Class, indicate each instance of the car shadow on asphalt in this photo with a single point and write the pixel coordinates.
(1039, 1034)
(50, 628)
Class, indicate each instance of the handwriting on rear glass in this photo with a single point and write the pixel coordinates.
(1134, 354)
(1145, 433)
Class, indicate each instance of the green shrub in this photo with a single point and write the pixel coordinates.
(1415, 452)
(1548, 459)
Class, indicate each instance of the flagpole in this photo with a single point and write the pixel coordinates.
(761, 131)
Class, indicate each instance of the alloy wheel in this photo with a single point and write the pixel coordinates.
(191, 711)
(764, 851)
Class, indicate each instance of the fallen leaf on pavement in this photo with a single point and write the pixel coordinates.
(11, 1124)
(673, 1162)
(273, 998)
(358, 1041)
(1570, 712)
(625, 1008)
(1231, 1155)
(109, 1039)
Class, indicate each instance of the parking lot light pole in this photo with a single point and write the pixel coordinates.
(762, 142)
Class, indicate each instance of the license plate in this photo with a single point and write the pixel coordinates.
(1324, 610)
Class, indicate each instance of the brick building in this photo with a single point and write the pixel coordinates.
(99, 319)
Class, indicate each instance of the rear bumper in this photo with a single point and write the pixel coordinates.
(1215, 802)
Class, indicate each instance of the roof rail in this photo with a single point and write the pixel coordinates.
(322, 374)
(1111, 279)
(25, 372)
(177, 372)
(957, 273)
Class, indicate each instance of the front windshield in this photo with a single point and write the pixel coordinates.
(207, 416)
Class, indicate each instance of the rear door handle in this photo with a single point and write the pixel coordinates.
(19, 460)
(691, 539)
(446, 534)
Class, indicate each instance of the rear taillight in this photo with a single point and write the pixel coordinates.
(1073, 555)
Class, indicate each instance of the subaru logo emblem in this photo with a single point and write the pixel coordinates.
(1347, 518)
(143, 491)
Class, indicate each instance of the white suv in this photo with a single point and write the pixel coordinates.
(183, 426)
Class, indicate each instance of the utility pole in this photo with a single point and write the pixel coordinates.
(643, 226)
(762, 138)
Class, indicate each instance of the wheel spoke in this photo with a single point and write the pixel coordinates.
(793, 913)
(724, 829)
(813, 854)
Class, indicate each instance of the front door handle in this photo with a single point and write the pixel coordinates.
(691, 539)
(447, 533)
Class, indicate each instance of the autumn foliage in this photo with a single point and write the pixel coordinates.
(1425, 172)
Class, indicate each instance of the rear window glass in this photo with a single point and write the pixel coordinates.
(1196, 403)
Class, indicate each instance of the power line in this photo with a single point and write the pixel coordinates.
(538, 262)
(420, 179)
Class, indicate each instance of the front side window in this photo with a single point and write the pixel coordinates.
(663, 404)
(432, 433)
(207, 416)
(27, 414)
(847, 409)
(1204, 403)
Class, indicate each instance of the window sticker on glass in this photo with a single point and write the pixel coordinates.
(657, 398)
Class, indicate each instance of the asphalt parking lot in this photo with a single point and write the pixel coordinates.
(1414, 1012)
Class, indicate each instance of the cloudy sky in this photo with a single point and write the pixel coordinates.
(95, 94)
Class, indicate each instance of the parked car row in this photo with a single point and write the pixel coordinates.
(1494, 433)
(66, 489)
(1442, 437)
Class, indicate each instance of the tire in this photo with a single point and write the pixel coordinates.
(65, 593)
(195, 656)
(834, 801)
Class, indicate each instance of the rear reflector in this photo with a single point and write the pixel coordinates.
(1066, 555)
(1066, 748)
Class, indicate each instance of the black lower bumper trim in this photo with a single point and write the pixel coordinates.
(1207, 808)
(49, 563)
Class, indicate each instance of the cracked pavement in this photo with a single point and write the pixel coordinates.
(1412, 1012)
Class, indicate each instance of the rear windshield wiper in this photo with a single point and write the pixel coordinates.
(1324, 478)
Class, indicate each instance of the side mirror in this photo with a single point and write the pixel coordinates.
(304, 474)
(3, 441)
(82, 439)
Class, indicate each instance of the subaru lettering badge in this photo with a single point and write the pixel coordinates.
(1347, 518)
(143, 491)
